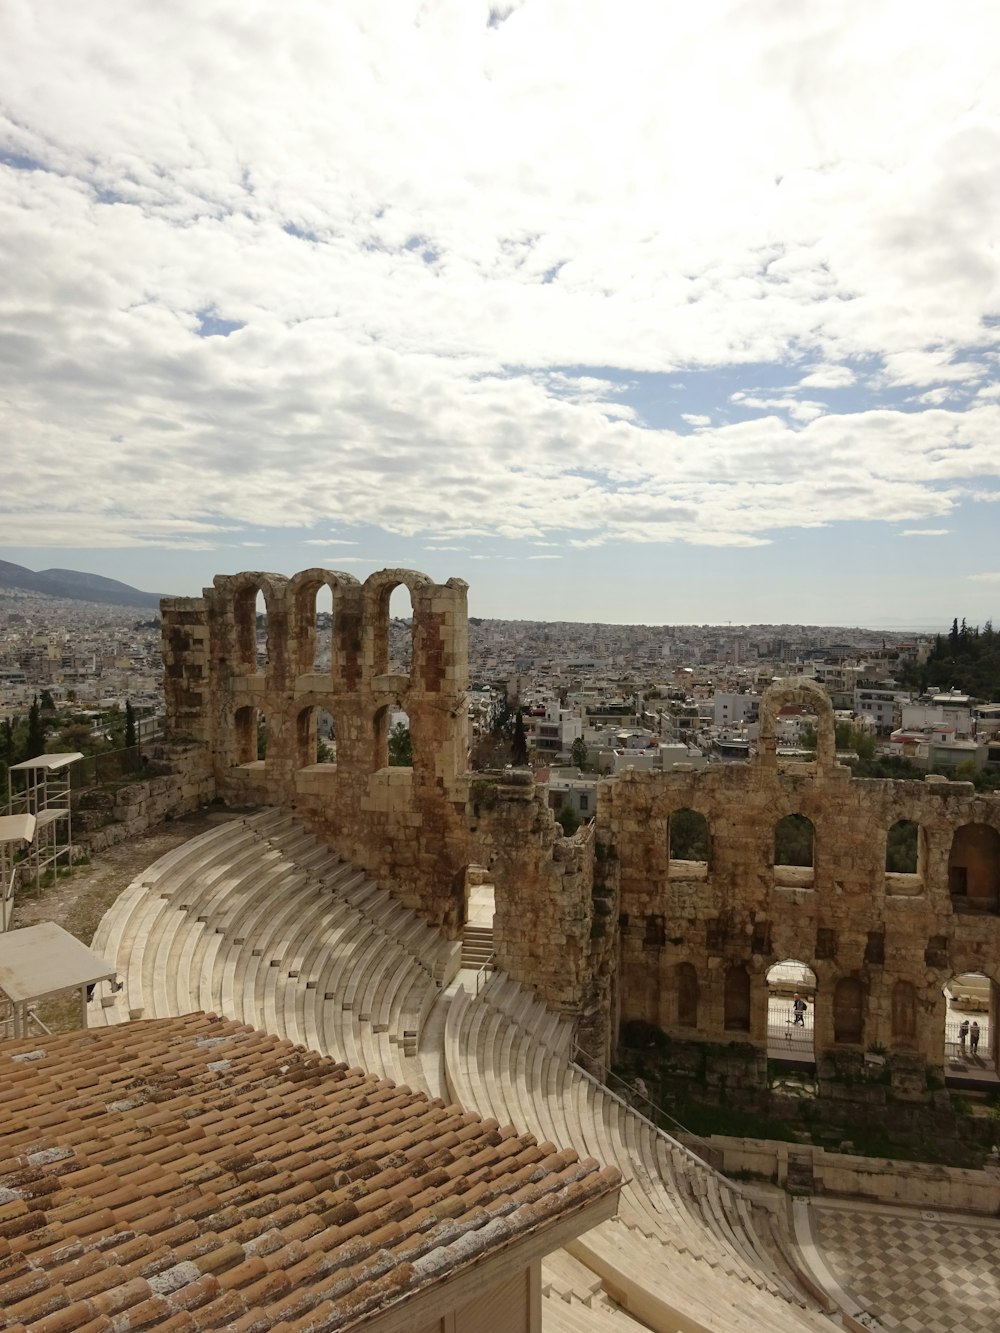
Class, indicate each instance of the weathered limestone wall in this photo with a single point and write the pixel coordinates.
(545, 927)
(914, 1184)
(104, 818)
(895, 940)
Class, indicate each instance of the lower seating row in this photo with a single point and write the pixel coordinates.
(684, 1239)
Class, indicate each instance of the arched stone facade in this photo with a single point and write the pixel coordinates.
(882, 944)
(603, 924)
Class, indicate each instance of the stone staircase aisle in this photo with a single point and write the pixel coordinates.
(477, 946)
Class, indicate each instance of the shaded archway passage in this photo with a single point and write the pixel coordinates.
(974, 869)
(791, 997)
(315, 737)
(250, 732)
(971, 998)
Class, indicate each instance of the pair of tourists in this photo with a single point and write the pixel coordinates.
(970, 1033)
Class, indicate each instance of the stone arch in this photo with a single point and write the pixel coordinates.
(686, 991)
(250, 732)
(973, 996)
(315, 736)
(303, 589)
(377, 592)
(244, 590)
(849, 1011)
(245, 734)
(794, 842)
(904, 1014)
(807, 693)
(902, 848)
(974, 868)
(380, 738)
(788, 980)
(736, 999)
(688, 837)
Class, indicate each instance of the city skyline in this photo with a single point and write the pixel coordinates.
(624, 317)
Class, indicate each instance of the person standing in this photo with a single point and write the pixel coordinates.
(963, 1032)
(799, 1010)
(974, 1038)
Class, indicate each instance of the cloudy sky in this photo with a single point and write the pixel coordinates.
(638, 312)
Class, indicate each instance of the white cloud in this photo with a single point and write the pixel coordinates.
(986, 578)
(828, 377)
(924, 532)
(410, 289)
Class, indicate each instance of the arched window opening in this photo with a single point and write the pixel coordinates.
(791, 999)
(686, 986)
(848, 1011)
(736, 1005)
(400, 742)
(322, 636)
(316, 737)
(793, 841)
(904, 1014)
(974, 869)
(688, 842)
(246, 735)
(901, 848)
(250, 616)
(970, 1024)
(380, 739)
(400, 644)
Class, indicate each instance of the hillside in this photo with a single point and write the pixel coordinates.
(77, 586)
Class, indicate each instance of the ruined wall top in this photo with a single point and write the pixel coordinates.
(797, 691)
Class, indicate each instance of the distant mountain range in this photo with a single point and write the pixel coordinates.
(77, 586)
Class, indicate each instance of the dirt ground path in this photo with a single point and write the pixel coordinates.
(78, 901)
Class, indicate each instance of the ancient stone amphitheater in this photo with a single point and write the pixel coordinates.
(260, 921)
(332, 903)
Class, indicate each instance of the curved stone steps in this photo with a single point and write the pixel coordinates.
(678, 1205)
(228, 922)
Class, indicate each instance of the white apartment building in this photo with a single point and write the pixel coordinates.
(884, 707)
(729, 710)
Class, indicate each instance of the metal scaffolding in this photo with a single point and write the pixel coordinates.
(15, 832)
(42, 787)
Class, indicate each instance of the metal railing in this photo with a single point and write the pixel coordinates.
(7, 904)
(483, 973)
(7, 1021)
(626, 1100)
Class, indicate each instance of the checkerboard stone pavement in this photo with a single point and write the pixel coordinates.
(917, 1272)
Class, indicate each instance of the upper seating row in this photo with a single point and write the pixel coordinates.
(258, 920)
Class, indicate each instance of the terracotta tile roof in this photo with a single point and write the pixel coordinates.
(192, 1173)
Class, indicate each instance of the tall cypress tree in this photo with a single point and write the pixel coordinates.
(130, 733)
(35, 744)
(519, 744)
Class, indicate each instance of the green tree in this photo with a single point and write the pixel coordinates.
(519, 743)
(47, 703)
(793, 841)
(901, 848)
(688, 833)
(578, 753)
(400, 746)
(36, 731)
(568, 818)
(131, 737)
